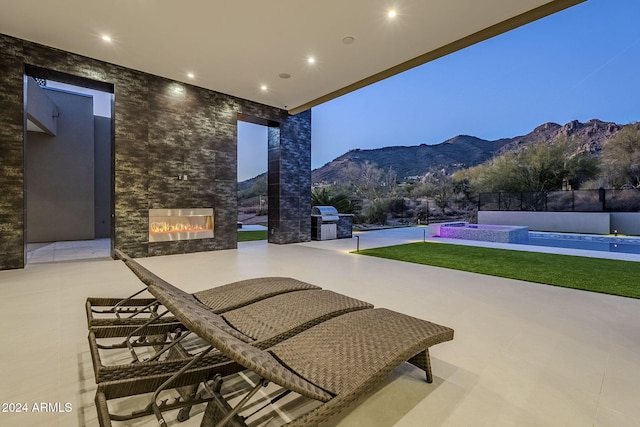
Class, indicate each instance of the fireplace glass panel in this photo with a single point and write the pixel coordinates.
(180, 224)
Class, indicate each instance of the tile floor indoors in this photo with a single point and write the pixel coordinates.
(523, 354)
(67, 251)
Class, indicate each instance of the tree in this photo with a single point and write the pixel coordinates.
(539, 167)
(621, 157)
(369, 180)
(398, 206)
(443, 195)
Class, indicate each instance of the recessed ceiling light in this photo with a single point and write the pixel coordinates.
(263, 88)
(106, 38)
(176, 89)
(191, 75)
(392, 13)
(348, 40)
(311, 60)
(284, 75)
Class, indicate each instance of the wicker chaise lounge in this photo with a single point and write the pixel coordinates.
(334, 362)
(345, 357)
(118, 317)
(261, 323)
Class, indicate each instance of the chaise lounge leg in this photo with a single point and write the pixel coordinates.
(422, 361)
(103, 410)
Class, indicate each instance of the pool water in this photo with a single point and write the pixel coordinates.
(586, 242)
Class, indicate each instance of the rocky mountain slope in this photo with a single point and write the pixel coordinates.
(463, 151)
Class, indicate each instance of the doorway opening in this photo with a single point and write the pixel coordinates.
(68, 168)
(253, 201)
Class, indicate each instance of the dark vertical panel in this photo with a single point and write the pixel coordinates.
(60, 173)
(289, 180)
(11, 155)
(102, 177)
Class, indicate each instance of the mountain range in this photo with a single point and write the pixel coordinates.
(463, 151)
(459, 152)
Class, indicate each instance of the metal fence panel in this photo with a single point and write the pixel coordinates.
(560, 201)
(536, 202)
(510, 201)
(587, 201)
(627, 200)
(489, 201)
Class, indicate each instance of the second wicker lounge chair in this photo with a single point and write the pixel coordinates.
(118, 317)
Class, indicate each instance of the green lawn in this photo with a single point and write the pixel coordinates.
(590, 274)
(247, 236)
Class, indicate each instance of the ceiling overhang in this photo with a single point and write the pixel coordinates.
(245, 49)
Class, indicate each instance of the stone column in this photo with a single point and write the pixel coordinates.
(12, 118)
(289, 180)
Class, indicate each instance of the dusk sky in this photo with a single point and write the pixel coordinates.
(579, 64)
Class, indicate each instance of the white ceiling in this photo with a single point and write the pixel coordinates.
(235, 47)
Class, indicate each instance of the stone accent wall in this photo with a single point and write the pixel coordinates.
(163, 128)
(289, 183)
(12, 123)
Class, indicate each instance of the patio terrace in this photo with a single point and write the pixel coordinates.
(524, 354)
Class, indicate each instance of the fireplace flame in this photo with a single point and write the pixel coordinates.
(164, 227)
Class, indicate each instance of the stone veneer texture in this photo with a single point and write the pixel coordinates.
(345, 226)
(163, 128)
(289, 190)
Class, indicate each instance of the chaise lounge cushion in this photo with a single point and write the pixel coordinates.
(244, 292)
(198, 318)
(343, 353)
(274, 319)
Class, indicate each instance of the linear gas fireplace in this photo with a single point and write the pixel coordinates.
(180, 224)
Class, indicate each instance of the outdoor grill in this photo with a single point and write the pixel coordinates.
(324, 222)
(328, 213)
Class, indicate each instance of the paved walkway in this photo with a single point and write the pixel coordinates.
(396, 236)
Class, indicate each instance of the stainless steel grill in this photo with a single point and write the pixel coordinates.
(328, 213)
(324, 220)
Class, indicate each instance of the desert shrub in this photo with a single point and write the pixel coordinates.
(398, 207)
(422, 214)
(376, 212)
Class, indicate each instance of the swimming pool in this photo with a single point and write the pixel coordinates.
(630, 245)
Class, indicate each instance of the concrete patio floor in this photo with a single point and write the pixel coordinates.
(524, 354)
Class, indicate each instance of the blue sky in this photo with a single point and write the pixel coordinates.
(581, 63)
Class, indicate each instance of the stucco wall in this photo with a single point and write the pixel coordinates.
(569, 222)
(40, 108)
(626, 222)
